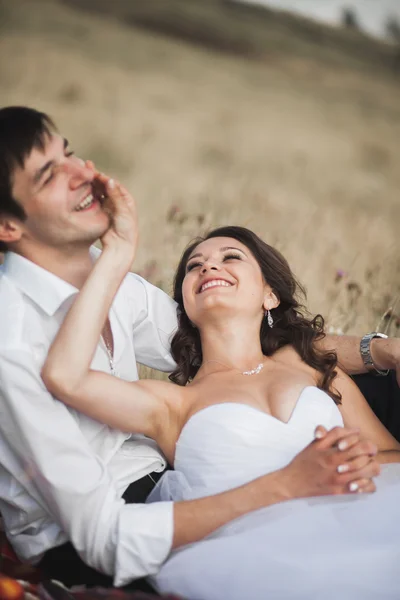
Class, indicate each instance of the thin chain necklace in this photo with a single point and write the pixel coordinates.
(254, 371)
(109, 355)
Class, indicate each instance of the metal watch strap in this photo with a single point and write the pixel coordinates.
(365, 351)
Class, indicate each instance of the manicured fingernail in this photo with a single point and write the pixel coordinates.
(319, 435)
(111, 183)
(353, 487)
(342, 468)
(342, 445)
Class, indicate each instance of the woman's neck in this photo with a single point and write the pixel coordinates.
(234, 345)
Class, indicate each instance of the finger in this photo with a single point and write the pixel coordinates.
(334, 436)
(372, 469)
(368, 488)
(113, 193)
(125, 200)
(128, 198)
(121, 200)
(361, 448)
(353, 465)
(103, 177)
(362, 485)
(90, 165)
(320, 432)
(353, 441)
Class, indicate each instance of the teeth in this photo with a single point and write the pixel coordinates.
(214, 283)
(85, 203)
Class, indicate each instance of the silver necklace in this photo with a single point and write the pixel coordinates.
(254, 371)
(110, 356)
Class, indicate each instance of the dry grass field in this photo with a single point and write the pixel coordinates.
(300, 147)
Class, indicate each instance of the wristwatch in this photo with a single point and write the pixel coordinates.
(365, 350)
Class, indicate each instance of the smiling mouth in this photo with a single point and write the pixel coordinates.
(97, 195)
(86, 203)
(214, 283)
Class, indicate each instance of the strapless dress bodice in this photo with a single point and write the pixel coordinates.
(225, 445)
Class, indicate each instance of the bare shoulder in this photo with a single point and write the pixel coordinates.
(287, 354)
(289, 357)
(343, 383)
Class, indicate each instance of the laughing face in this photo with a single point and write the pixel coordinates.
(60, 197)
(223, 275)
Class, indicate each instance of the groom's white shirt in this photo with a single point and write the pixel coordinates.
(62, 474)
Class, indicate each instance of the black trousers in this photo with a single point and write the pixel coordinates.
(64, 564)
(383, 396)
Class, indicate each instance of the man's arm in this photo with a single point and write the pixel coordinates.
(385, 353)
(73, 484)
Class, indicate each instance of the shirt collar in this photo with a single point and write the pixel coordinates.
(47, 290)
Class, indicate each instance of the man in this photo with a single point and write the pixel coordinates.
(69, 486)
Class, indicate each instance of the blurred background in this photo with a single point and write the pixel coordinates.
(282, 116)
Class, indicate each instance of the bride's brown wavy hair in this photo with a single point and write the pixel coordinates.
(291, 323)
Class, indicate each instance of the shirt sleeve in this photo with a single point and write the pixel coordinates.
(72, 483)
(154, 323)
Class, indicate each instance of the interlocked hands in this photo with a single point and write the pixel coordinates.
(336, 462)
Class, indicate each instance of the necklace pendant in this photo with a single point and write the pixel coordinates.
(254, 371)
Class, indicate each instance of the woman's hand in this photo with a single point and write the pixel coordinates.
(121, 207)
(336, 462)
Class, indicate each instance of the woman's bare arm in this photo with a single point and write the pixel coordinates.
(357, 413)
(135, 407)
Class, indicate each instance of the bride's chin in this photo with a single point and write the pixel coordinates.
(214, 313)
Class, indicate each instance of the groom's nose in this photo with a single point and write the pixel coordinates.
(79, 173)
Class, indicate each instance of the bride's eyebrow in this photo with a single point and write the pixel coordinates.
(195, 256)
(232, 248)
(224, 249)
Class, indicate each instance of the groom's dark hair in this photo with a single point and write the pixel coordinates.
(291, 323)
(21, 130)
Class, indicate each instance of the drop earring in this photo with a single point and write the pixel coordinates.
(270, 320)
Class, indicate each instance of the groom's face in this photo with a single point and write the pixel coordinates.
(55, 189)
(223, 278)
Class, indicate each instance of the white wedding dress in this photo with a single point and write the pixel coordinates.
(332, 547)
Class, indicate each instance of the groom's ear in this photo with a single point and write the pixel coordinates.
(10, 229)
(271, 300)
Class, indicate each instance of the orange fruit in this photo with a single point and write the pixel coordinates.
(10, 589)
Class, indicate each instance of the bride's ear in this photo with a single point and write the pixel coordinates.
(271, 300)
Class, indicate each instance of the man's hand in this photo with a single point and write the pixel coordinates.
(336, 462)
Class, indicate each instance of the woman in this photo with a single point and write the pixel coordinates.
(258, 389)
